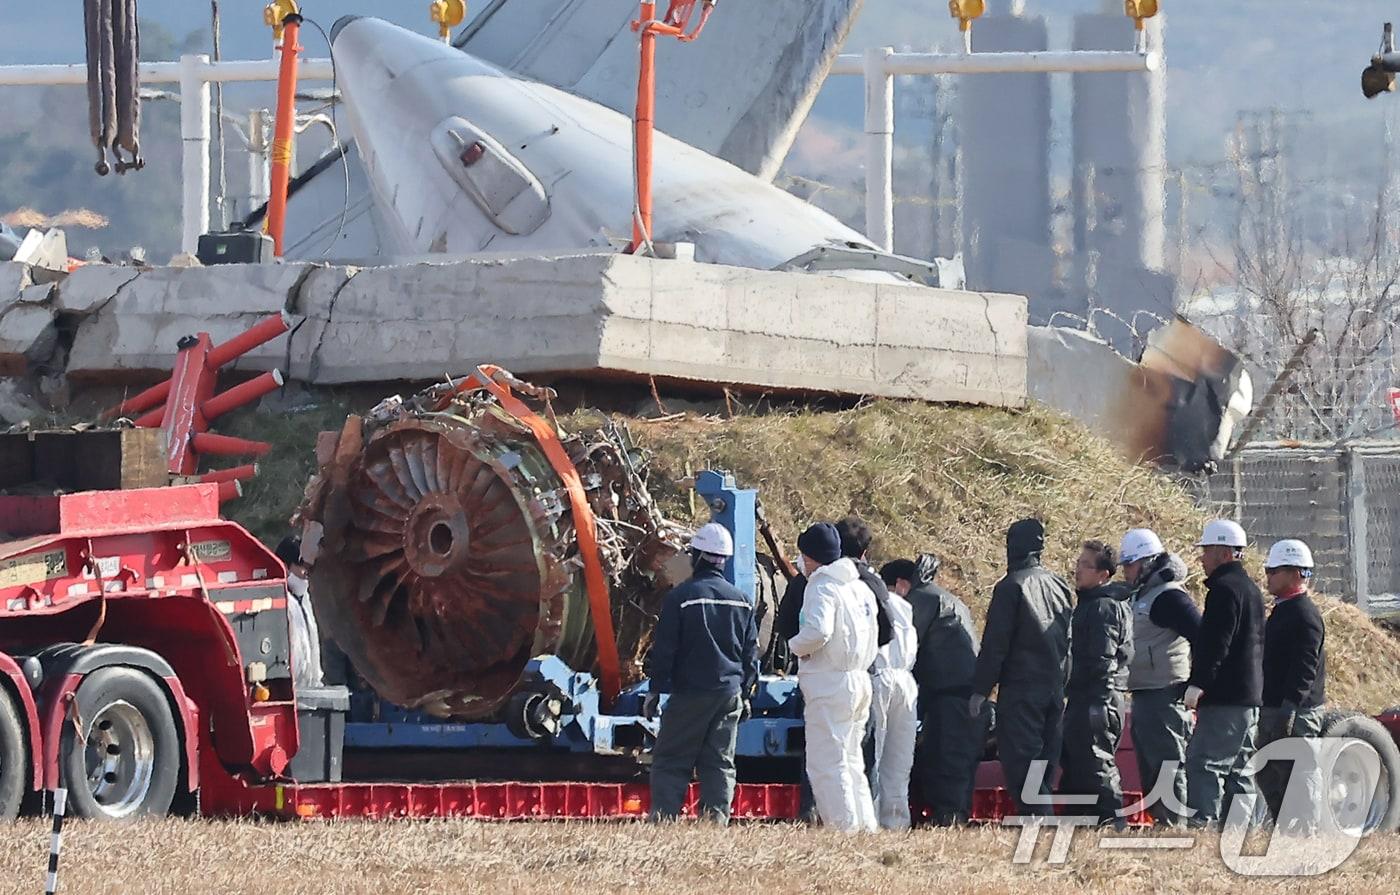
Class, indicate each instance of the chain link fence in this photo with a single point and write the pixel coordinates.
(1344, 501)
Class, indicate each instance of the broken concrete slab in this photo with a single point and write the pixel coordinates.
(14, 279)
(27, 333)
(38, 294)
(1076, 373)
(91, 286)
(581, 313)
(144, 314)
(15, 404)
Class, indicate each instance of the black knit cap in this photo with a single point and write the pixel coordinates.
(821, 542)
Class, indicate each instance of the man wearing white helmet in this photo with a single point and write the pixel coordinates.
(704, 653)
(1295, 667)
(1165, 619)
(1226, 686)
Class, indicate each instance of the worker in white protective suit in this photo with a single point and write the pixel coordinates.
(894, 697)
(894, 714)
(836, 646)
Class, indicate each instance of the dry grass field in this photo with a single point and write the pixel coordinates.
(576, 859)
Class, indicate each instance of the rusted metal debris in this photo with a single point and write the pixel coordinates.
(448, 556)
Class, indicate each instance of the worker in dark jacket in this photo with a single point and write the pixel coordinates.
(950, 743)
(1295, 665)
(1025, 650)
(1165, 621)
(1102, 635)
(1226, 686)
(705, 655)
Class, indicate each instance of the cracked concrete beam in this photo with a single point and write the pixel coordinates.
(90, 287)
(144, 318)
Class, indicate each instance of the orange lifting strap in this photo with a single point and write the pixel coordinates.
(488, 377)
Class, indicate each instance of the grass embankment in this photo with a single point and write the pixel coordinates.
(941, 478)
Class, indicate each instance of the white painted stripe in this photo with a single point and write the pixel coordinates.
(55, 842)
(52, 884)
(159, 582)
(259, 574)
(709, 601)
(189, 581)
(76, 590)
(228, 577)
(228, 608)
(261, 605)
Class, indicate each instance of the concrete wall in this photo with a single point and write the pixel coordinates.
(577, 314)
(1075, 373)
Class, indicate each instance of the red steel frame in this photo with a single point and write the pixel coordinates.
(184, 405)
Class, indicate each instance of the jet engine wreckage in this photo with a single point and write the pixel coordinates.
(464, 535)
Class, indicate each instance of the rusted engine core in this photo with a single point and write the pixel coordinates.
(448, 558)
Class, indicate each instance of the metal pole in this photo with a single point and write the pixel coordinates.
(1261, 411)
(222, 197)
(879, 148)
(283, 134)
(645, 116)
(194, 163)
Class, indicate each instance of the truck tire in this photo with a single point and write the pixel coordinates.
(1345, 782)
(14, 759)
(128, 762)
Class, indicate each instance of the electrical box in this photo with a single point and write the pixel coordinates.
(236, 246)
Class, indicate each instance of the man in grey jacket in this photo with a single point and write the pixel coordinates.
(1025, 650)
(1164, 621)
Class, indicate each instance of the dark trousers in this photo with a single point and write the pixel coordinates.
(1093, 727)
(1029, 728)
(1161, 728)
(945, 762)
(698, 734)
(1273, 777)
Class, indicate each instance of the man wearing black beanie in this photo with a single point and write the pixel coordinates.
(836, 645)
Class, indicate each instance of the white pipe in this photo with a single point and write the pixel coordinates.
(1040, 62)
(165, 72)
(194, 161)
(879, 148)
(258, 188)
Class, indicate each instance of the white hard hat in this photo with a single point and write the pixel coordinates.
(1223, 532)
(714, 539)
(1289, 552)
(1139, 543)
